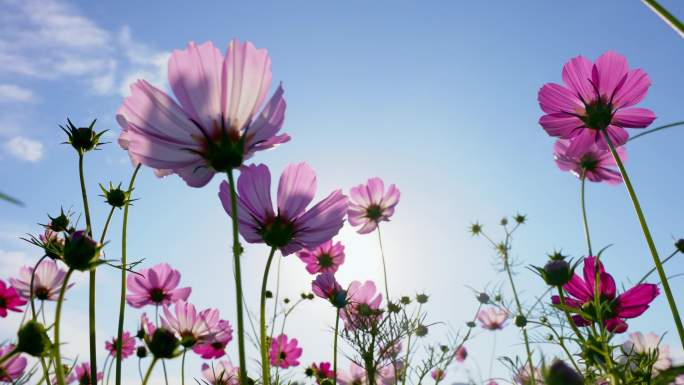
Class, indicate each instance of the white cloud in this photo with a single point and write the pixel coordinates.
(14, 93)
(24, 148)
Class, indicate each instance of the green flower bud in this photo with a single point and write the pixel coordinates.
(680, 245)
(141, 352)
(421, 330)
(520, 321)
(82, 139)
(483, 298)
(405, 300)
(81, 252)
(33, 340)
(59, 223)
(421, 298)
(163, 344)
(115, 196)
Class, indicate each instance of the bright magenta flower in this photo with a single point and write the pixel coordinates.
(322, 371)
(216, 124)
(355, 376)
(46, 283)
(221, 373)
(363, 305)
(13, 368)
(214, 346)
(81, 374)
(292, 227)
(284, 353)
(596, 96)
(438, 374)
(492, 318)
(461, 354)
(9, 299)
(127, 348)
(630, 304)
(370, 204)
(324, 258)
(594, 163)
(157, 285)
(189, 325)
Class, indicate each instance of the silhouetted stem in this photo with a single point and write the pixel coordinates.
(584, 213)
(656, 130)
(59, 369)
(149, 371)
(337, 326)
(384, 265)
(263, 340)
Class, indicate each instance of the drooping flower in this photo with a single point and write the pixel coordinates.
(590, 162)
(157, 285)
(9, 299)
(292, 227)
(14, 367)
(214, 346)
(324, 258)
(370, 204)
(215, 125)
(649, 344)
(81, 375)
(221, 373)
(326, 286)
(461, 354)
(127, 348)
(438, 374)
(46, 283)
(363, 305)
(190, 326)
(630, 304)
(596, 96)
(356, 375)
(492, 318)
(284, 353)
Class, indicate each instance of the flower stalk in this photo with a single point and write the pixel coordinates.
(59, 368)
(263, 338)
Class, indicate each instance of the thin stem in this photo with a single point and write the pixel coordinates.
(491, 359)
(656, 130)
(183, 367)
(384, 265)
(649, 239)
(584, 213)
(31, 296)
(667, 17)
(277, 294)
(84, 194)
(265, 368)
(122, 298)
(166, 377)
(337, 326)
(59, 369)
(561, 296)
(106, 226)
(237, 250)
(9, 355)
(149, 371)
(653, 268)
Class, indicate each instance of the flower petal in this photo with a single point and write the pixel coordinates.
(296, 189)
(633, 117)
(577, 76)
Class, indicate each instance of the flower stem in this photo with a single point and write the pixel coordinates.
(649, 239)
(59, 369)
(237, 250)
(656, 130)
(265, 368)
(337, 326)
(561, 296)
(31, 296)
(584, 213)
(9, 355)
(384, 265)
(149, 371)
(122, 298)
(183, 367)
(667, 17)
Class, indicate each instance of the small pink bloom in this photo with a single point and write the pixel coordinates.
(363, 305)
(461, 354)
(596, 96)
(324, 258)
(592, 162)
(649, 345)
(215, 125)
(438, 374)
(157, 285)
(326, 286)
(284, 353)
(46, 283)
(292, 227)
(355, 376)
(523, 377)
(492, 318)
(221, 373)
(9, 299)
(370, 204)
(13, 368)
(127, 348)
(214, 346)
(387, 374)
(146, 325)
(190, 326)
(322, 371)
(81, 375)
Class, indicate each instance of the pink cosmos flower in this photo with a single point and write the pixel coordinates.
(214, 346)
(146, 325)
(370, 204)
(215, 125)
(387, 374)
(81, 375)
(13, 368)
(326, 286)
(127, 348)
(322, 371)
(649, 344)
(46, 283)
(492, 318)
(221, 373)
(363, 305)
(9, 299)
(324, 258)
(591, 162)
(292, 227)
(157, 285)
(630, 304)
(524, 375)
(190, 326)
(461, 354)
(596, 96)
(355, 376)
(438, 375)
(284, 353)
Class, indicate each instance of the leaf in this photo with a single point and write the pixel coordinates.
(9, 199)
(668, 376)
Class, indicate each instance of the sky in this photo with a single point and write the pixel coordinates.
(437, 97)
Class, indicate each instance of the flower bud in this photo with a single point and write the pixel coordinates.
(520, 321)
(475, 229)
(141, 352)
(163, 344)
(393, 307)
(559, 373)
(421, 298)
(680, 245)
(504, 221)
(81, 252)
(82, 139)
(557, 272)
(483, 298)
(520, 219)
(268, 294)
(59, 223)
(421, 330)
(405, 300)
(470, 324)
(115, 196)
(33, 340)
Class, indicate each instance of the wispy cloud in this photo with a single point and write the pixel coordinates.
(15, 93)
(24, 148)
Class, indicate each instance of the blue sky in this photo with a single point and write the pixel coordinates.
(437, 97)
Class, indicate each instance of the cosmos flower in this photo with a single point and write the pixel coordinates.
(13, 368)
(387, 374)
(595, 97)
(370, 204)
(322, 371)
(292, 227)
(221, 373)
(649, 344)
(630, 304)
(363, 305)
(324, 258)
(215, 125)
(492, 318)
(461, 354)
(157, 285)
(524, 375)
(81, 375)
(438, 374)
(356, 375)
(47, 282)
(127, 348)
(590, 162)
(9, 299)
(189, 325)
(326, 286)
(214, 346)
(284, 353)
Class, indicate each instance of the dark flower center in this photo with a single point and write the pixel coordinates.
(278, 232)
(217, 345)
(588, 162)
(188, 339)
(598, 114)
(225, 152)
(3, 302)
(325, 260)
(157, 295)
(374, 212)
(282, 356)
(42, 293)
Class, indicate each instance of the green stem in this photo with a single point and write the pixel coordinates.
(656, 130)
(149, 371)
(237, 250)
(337, 326)
(9, 355)
(649, 239)
(667, 17)
(584, 213)
(653, 268)
(263, 343)
(59, 369)
(183, 367)
(122, 298)
(84, 195)
(384, 265)
(106, 226)
(574, 327)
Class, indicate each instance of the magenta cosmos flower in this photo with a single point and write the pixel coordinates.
(326, 286)
(356, 375)
(591, 162)
(284, 353)
(216, 123)
(363, 305)
(461, 354)
(189, 325)
(596, 96)
(221, 373)
(630, 304)
(214, 346)
(81, 375)
(127, 348)
(9, 299)
(13, 368)
(370, 204)
(324, 258)
(157, 285)
(322, 371)
(46, 283)
(438, 374)
(292, 227)
(492, 318)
